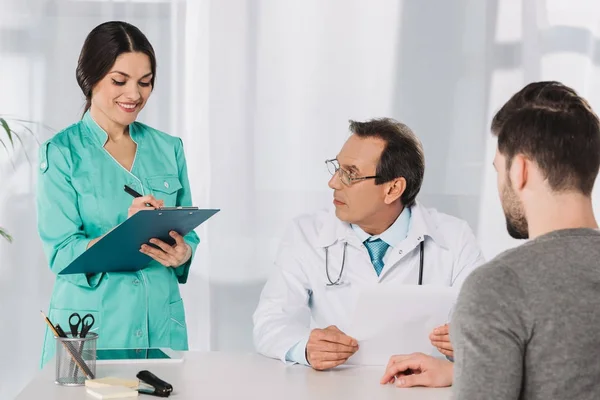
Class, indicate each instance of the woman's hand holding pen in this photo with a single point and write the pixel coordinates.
(139, 203)
(167, 255)
(144, 203)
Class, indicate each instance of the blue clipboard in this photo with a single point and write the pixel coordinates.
(119, 250)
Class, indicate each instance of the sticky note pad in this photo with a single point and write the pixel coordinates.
(112, 392)
(111, 381)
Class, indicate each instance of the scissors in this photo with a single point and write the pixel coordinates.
(86, 324)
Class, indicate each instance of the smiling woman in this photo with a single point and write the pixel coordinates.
(111, 52)
(80, 198)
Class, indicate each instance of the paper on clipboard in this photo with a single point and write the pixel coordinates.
(397, 319)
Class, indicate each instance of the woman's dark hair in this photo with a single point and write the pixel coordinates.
(100, 50)
(402, 156)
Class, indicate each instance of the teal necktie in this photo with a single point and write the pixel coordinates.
(376, 249)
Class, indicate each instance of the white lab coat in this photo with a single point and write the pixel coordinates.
(296, 297)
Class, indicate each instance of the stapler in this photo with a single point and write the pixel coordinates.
(153, 385)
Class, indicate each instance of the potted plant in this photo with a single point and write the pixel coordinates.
(7, 141)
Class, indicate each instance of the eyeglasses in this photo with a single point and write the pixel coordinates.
(334, 168)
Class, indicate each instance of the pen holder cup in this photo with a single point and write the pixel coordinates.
(75, 359)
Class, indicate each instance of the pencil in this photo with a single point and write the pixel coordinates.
(78, 360)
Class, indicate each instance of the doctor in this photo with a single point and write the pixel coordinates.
(378, 234)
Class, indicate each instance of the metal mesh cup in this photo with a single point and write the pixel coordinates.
(75, 359)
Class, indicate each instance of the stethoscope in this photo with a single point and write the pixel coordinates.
(339, 278)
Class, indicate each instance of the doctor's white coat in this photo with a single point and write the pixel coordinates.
(296, 297)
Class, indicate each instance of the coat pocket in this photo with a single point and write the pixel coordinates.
(178, 334)
(165, 187)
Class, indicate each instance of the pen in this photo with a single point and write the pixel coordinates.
(134, 193)
(60, 331)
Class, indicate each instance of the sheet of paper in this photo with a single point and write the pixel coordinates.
(397, 319)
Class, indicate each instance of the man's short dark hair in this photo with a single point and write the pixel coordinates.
(401, 157)
(555, 127)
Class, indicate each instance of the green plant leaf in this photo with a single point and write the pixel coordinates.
(12, 134)
(4, 145)
(8, 152)
(27, 129)
(23, 146)
(32, 122)
(8, 131)
(5, 235)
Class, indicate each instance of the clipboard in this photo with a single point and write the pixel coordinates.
(119, 250)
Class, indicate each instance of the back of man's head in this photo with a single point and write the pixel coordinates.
(550, 124)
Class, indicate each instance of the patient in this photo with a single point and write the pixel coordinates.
(525, 325)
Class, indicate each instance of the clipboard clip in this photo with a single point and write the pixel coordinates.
(157, 387)
(178, 208)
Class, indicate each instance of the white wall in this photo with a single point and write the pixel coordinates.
(261, 92)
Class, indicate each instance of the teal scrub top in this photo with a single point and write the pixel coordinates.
(80, 197)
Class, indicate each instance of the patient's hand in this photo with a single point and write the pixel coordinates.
(329, 347)
(418, 369)
(440, 338)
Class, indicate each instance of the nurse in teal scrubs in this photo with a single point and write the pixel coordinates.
(80, 198)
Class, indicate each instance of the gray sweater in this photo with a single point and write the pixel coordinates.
(527, 324)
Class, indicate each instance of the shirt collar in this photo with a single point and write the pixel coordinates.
(99, 135)
(421, 224)
(393, 235)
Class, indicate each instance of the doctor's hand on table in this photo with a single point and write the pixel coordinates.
(418, 369)
(440, 338)
(329, 347)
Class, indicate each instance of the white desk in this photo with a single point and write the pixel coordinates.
(241, 376)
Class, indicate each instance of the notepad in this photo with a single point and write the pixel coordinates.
(112, 392)
(111, 381)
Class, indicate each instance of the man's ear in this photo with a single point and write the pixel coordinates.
(394, 190)
(519, 171)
